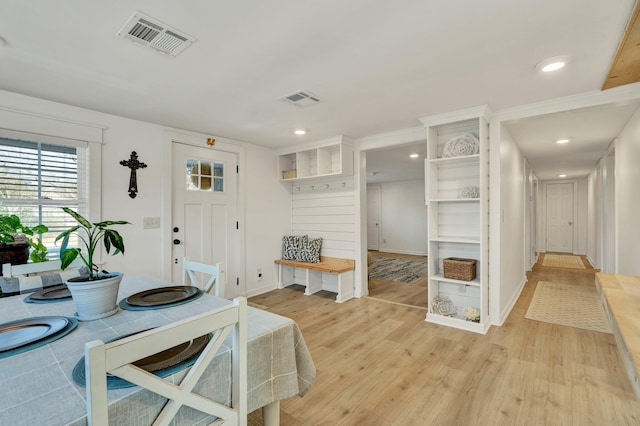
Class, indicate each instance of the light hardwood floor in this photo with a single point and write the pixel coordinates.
(382, 364)
(414, 294)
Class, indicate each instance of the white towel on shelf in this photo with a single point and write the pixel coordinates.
(465, 144)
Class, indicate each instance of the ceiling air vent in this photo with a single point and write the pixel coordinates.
(301, 98)
(146, 31)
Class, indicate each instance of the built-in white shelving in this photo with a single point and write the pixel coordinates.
(330, 158)
(458, 226)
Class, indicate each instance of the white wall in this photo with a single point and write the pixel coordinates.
(403, 217)
(530, 200)
(267, 214)
(512, 260)
(627, 196)
(581, 224)
(593, 218)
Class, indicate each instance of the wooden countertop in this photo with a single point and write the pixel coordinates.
(621, 297)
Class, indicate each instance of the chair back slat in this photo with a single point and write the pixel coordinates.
(195, 274)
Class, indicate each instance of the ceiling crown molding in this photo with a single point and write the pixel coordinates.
(625, 93)
(463, 114)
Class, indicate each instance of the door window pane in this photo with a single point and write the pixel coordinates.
(202, 175)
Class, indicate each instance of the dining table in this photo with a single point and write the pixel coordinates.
(38, 388)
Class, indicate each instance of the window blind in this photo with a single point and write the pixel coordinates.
(37, 178)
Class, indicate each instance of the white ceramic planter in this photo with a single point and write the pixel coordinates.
(95, 299)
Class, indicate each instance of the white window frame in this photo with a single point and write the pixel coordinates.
(31, 125)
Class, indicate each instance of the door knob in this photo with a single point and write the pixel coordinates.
(570, 223)
(176, 241)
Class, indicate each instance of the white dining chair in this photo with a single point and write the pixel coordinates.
(214, 274)
(116, 358)
(9, 270)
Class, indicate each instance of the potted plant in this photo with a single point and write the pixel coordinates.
(15, 241)
(94, 294)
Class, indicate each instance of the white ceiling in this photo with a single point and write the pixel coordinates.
(394, 164)
(591, 131)
(377, 66)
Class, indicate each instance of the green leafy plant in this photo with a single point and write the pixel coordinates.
(89, 234)
(38, 251)
(11, 228)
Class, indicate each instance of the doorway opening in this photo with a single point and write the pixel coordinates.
(397, 229)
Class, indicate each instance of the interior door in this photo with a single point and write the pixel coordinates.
(560, 217)
(204, 211)
(373, 218)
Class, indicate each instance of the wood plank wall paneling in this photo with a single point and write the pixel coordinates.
(625, 67)
(330, 215)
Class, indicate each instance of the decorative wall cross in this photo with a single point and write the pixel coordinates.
(133, 164)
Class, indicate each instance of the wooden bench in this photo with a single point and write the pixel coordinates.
(331, 274)
(620, 296)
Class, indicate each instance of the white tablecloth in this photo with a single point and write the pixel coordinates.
(37, 389)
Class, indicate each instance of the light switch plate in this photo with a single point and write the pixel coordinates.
(151, 222)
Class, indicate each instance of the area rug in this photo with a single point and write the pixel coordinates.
(394, 269)
(563, 261)
(570, 305)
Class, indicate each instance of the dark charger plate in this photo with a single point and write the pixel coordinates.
(161, 364)
(162, 295)
(52, 293)
(172, 356)
(19, 333)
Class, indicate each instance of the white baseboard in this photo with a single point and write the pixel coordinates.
(416, 253)
(507, 310)
(362, 293)
(593, 265)
(261, 290)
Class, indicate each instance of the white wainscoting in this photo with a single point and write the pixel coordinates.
(329, 214)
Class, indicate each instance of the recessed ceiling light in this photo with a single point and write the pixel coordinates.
(553, 64)
(562, 175)
(563, 140)
(414, 155)
(300, 131)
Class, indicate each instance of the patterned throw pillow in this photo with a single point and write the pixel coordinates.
(310, 251)
(291, 245)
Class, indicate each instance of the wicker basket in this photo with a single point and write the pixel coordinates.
(459, 269)
(289, 174)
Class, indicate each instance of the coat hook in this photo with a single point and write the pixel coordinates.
(326, 185)
(313, 187)
(344, 184)
(298, 189)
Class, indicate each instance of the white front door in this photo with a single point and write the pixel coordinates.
(204, 211)
(373, 218)
(560, 217)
